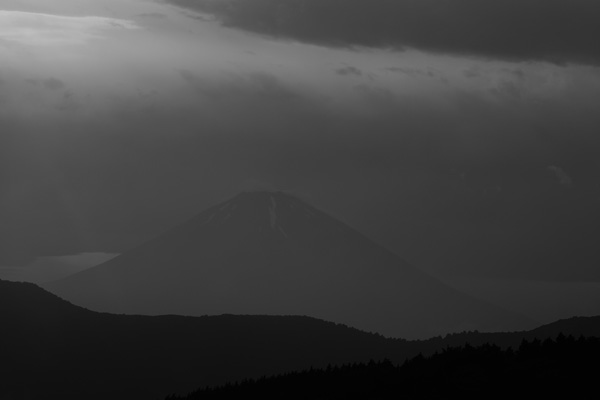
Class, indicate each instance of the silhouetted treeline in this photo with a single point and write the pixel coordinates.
(565, 367)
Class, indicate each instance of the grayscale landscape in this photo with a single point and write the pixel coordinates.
(299, 199)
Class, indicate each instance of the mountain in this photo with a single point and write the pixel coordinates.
(273, 254)
(52, 349)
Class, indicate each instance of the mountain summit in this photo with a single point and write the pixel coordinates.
(271, 253)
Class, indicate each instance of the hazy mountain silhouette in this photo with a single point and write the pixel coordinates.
(51, 349)
(271, 253)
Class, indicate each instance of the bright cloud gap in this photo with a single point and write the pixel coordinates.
(48, 29)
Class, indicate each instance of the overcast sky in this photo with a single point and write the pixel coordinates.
(462, 134)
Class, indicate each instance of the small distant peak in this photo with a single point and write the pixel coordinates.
(253, 186)
(263, 192)
(258, 187)
(270, 195)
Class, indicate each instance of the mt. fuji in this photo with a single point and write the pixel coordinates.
(269, 253)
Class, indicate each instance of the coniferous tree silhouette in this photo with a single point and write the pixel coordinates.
(565, 366)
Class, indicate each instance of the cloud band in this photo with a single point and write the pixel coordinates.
(551, 30)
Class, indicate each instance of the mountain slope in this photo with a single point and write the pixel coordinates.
(270, 253)
(51, 349)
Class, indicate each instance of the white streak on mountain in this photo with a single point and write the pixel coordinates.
(271, 253)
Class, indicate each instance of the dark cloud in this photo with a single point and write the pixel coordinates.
(472, 73)
(53, 84)
(414, 72)
(553, 30)
(230, 86)
(349, 70)
(48, 83)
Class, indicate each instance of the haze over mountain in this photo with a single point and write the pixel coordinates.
(449, 149)
(272, 253)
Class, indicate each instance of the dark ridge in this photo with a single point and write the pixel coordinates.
(51, 349)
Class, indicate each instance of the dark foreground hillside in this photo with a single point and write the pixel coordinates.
(51, 349)
(566, 367)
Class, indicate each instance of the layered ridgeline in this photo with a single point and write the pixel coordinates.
(51, 349)
(273, 254)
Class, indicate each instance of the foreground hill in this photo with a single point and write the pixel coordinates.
(51, 349)
(273, 254)
(565, 368)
